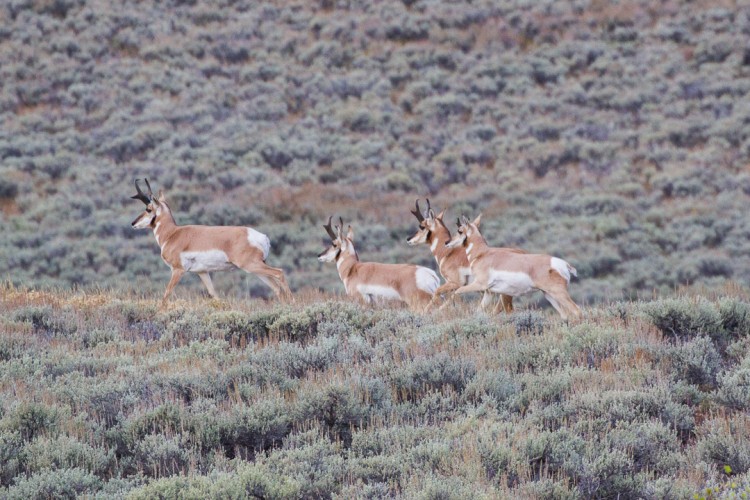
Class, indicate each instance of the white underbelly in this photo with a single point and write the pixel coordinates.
(206, 261)
(383, 292)
(510, 282)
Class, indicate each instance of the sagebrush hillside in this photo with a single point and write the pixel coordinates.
(614, 134)
(106, 396)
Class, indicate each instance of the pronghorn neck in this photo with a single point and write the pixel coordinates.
(163, 225)
(346, 264)
(474, 245)
(437, 241)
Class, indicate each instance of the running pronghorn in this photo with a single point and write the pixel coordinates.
(202, 249)
(501, 271)
(452, 262)
(412, 284)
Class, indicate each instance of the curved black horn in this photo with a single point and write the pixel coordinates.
(458, 221)
(150, 193)
(417, 213)
(329, 229)
(430, 213)
(141, 195)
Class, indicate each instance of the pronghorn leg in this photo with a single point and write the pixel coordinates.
(506, 302)
(365, 299)
(282, 284)
(176, 275)
(445, 288)
(562, 302)
(421, 302)
(206, 279)
(556, 304)
(274, 277)
(471, 287)
(573, 310)
(271, 281)
(487, 299)
(558, 296)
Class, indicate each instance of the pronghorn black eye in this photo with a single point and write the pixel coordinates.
(148, 210)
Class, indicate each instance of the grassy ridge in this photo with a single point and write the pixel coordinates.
(106, 395)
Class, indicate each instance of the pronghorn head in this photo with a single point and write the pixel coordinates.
(339, 242)
(154, 206)
(465, 231)
(428, 224)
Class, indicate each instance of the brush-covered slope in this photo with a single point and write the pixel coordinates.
(612, 134)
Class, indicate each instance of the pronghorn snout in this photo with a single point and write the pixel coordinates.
(326, 256)
(141, 222)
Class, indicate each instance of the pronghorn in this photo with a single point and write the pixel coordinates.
(452, 262)
(500, 271)
(412, 284)
(202, 249)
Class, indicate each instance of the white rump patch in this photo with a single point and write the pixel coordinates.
(510, 282)
(427, 280)
(561, 267)
(259, 240)
(384, 292)
(207, 261)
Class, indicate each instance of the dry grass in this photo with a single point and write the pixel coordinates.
(468, 385)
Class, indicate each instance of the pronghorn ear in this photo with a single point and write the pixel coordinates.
(440, 215)
(160, 198)
(478, 220)
(350, 233)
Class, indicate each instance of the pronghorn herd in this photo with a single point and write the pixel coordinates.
(464, 260)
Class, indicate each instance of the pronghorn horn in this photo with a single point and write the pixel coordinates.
(141, 195)
(417, 213)
(458, 221)
(329, 229)
(150, 193)
(430, 212)
(341, 225)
